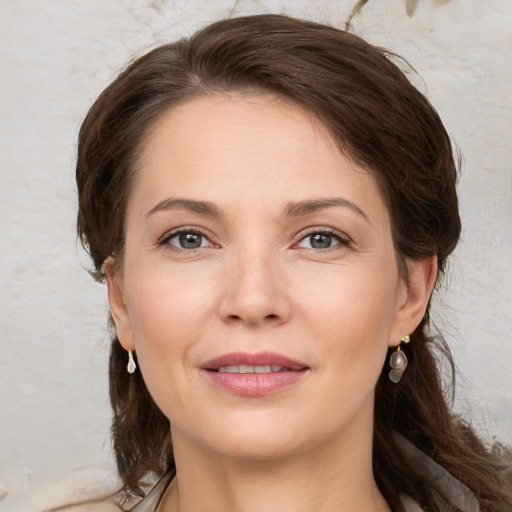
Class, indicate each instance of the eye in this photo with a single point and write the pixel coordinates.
(186, 240)
(322, 240)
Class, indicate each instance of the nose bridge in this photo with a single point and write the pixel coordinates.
(256, 292)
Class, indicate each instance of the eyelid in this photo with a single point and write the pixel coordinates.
(164, 239)
(345, 240)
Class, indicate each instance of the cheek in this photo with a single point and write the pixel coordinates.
(165, 323)
(164, 305)
(165, 319)
(350, 313)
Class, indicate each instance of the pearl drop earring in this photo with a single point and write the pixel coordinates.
(131, 363)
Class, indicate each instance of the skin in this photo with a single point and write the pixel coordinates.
(258, 282)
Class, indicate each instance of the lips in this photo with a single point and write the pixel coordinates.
(258, 359)
(246, 368)
(257, 374)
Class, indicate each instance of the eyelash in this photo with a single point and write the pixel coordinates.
(342, 239)
(165, 240)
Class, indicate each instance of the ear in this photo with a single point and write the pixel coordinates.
(412, 297)
(117, 304)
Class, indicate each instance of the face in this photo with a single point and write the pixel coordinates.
(254, 245)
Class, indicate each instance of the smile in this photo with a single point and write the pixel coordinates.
(257, 374)
(245, 368)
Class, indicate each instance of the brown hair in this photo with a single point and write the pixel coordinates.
(384, 125)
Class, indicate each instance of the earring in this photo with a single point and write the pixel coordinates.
(131, 363)
(398, 362)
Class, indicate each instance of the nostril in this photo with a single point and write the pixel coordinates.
(271, 317)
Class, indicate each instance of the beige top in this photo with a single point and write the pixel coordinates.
(460, 496)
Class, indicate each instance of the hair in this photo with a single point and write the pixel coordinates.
(383, 124)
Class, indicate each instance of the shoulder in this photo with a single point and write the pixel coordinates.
(101, 506)
(409, 504)
(446, 485)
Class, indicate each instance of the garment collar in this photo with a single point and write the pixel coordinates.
(459, 496)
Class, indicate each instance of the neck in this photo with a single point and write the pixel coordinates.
(334, 477)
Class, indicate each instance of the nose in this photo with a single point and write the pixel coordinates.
(256, 293)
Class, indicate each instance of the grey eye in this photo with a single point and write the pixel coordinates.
(190, 240)
(187, 239)
(320, 241)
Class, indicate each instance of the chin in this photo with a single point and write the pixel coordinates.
(263, 437)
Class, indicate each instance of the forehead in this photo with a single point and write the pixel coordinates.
(238, 121)
(228, 146)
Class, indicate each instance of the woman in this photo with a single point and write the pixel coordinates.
(271, 204)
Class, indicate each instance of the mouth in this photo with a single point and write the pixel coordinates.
(246, 368)
(257, 374)
(260, 362)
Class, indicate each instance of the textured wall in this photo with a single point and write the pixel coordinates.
(57, 56)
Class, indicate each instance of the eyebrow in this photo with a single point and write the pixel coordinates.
(296, 209)
(201, 207)
(292, 209)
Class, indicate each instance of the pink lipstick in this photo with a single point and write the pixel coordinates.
(256, 374)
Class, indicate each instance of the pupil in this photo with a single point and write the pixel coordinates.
(190, 240)
(320, 241)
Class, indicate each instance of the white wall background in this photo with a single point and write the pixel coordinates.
(56, 56)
